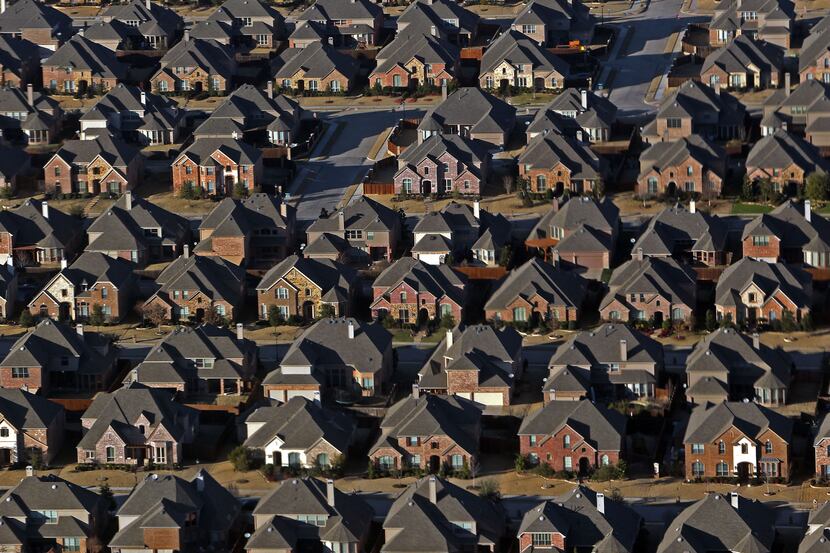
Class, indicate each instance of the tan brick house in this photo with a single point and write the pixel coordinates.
(315, 68)
(821, 447)
(31, 428)
(770, 20)
(261, 25)
(216, 166)
(103, 165)
(37, 22)
(196, 65)
(471, 112)
(157, 24)
(413, 59)
(514, 60)
(693, 164)
(680, 232)
(791, 232)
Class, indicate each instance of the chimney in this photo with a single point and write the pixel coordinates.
(186, 35)
(44, 209)
(351, 330)
(341, 220)
(623, 350)
(444, 90)
(186, 251)
(555, 204)
(283, 210)
(433, 490)
(3, 9)
(63, 263)
(476, 209)
(733, 496)
(416, 391)
(330, 492)
(30, 470)
(240, 332)
(717, 88)
(756, 341)
(601, 503)
(200, 481)
(30, 94)
(808, 212)
(128, 199)
(10, 264)
(639, 254)
(787, 83)
(270, 89)
(79, 328)
(433, 31)
(692, 207)
(449, 338)
(147, 5)
(584, 97)
(143, 98)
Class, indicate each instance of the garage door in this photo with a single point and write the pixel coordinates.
(308, 394)
(490, 398)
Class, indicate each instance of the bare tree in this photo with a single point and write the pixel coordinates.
(155, 314)
(508, 181)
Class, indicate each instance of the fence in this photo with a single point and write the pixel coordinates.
(379, 188)
(482, 273)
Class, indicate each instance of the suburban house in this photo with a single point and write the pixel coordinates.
(414, 59)
(352, 24)
(31, 428)
(554, 22)
(770, 20)
(36, 22)
(8, 290)
(752, 291)
(260, 25)
(371, 229)
(614, 360)
(191, 285)
(784, 159)
(410, 291)
(19, 60)
(315, 68)
(334, 359)
(696, 108)
(537, 292)
(218, 167)
(256, 232)
(114, 35)
(744, 63)
(821, 445)
(737, 439)
(443, 164)
(135, 425)
(82, 66)
(14, 164)
(54, 358)
(818, 528)
(138, 230)
(103, 165)
(813, 57)
(196, 65)
(35, 234)
(651, 288)
(581, 519)
(791, 233)
(428, 432)
(93, 280)
(29, 119)
(205, 360)
(198, 512)
(472, 113)
(574, 436)
(443, 18)
(797, 109)
(134, 115)
(515, 61)
(299, 433)
(576, 113)
(685, 234)
(729, 365)
(158, 25)
(306, 513)
(693, 164)
(475, 362)
(553, 163)
(583, 232)
(307, 288)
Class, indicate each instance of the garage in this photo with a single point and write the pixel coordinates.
(490, 398)
(308, 394)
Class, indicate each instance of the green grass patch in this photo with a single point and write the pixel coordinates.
(740, 208)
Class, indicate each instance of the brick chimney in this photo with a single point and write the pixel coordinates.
(623, 350)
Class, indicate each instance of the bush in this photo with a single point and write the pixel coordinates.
(240, 458)
(545, 470)
(26, 318)
(371, 470)
(489, 489)
(326, 311)
(520, 463)
(610, 472)
(447, 321)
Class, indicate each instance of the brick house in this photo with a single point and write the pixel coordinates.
(445, 19)
(260, 25)
(8, 290)
(103, 165)
(410, 291)
(35, 234)
(555, 162)
(770, 20)
(19, 62)
(535, 292)
(346, 25)
(428, 432)
(791, 233)
(94, 279)
(26, 118)
(744, 63)
(785, 159)
(553, 22)
(692, 164)
(576, 113)
(513, 60)
(737, 439)
(134, 425)
(413, 59)
(36, 22)
(158, 25)
(315, 68)
(196, 65)
(821, 446)
(473, 113)
(443, 165)
(216, 166)
(82, 66)
(31, 428)
(301, 287)
(813, 58)
(797, 109)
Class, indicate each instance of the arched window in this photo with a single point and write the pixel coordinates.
(323, 461)
(385, 462)
(604, 460)
(677, 314)
(566, 441)
(768, 447)
(697, 469)
(541, 183)
(110, 452)
(722, 469)
(721, 447)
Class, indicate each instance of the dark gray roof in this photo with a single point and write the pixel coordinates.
(667, 156)
(363, 214)
(815, 44)
(30, 228)
(409, 44)
(601, 346)
(602, 215)
(421, 15)
(781, 149)
(535, 277)
(700, 102)
(550, 12)
(123, 229)
(238, 151)
(27, 411)
(332, 10)
(742, 52)
(300, 424)
(212, 57)
(472, 153)
(316, 60)
(31, 14)
(213, 276)
(252, 109)
(114, 151)
(439, 280)
(676, 228)
(675, 282)
(601, 427)
(92, 268)
(600, 112)
(153, 19)
(127, 99)
(519, 49)
(80, 53)
(547, 151)
(257, 217)
(47, 493)
(473, 107)
(709, 421)
(16, 53)
(793, 281)
(328, 275)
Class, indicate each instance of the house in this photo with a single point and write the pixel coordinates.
(14, 164)
(257, 231)
(744, 63)
(473, 113)
(443, 164)
(729, 365)
(784, 159)
(693, 164)
(105, 165)
(93, 280)
(195, 513)
(207, 359)
(114, 35)
(814, 53)
(515, 61)
(82, 66)
(614, 360)
(159, 25)
(8, 290)
(685, 234)
(223, 32)
(412, 291)
(315, 68)
(815, 539)
(553, 163)
(138, 230)
(583, 232)
(55, 358)
(696, 108)
(259, 24)
(371, 229)
(651, 288)
(769, 20)
(428, 512)
(307, 288)
(428, 432)
(414, 59)
(31, 428)
(218, 167)
(752, 291)
(353, 24)
(726, 521)
(196, 65)
(27, 118)
(339, 359)
(36, 22)
(797, 109)
(575, 113)
(574, 436)
(442, 18)
(476, 362)
(821, 445)
(791, 233)
(554, 22)
(19, 61)
(299, 433)
(537, 292)
(34, 233)
(134, 115)
(191, 285)
(581, 519)
(306, 513)
(737, 439)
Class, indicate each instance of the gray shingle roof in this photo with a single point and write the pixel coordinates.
(47, 493)
(421, 15)
(741, 53)
(472, 153)
(238, 151)
(363, 214)
(299, 424)
(30, 228)
(214, 276)
(601, 427)
(602, 215)
(83, 54)
(212, 57)
(316, 61)
(781, 149)
(601, 347)
(332, 10)
(410, 44)
(31, 14)
(27, 411)
(667, 156)
(519, 49)
(700, 102)
(158, 20)
(600, 113)
(547, 151)
(675, 282)
(439, 280)
(561, 288)
(114, 151)
(123, 229)
(328, 275)
(676, 228)
(794, 282)
(709, 421)
(473, 107)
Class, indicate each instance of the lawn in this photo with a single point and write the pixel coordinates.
(742, 208)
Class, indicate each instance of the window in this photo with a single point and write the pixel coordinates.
(673, 122)
(652, 185)
(367, 383)
(760, 240)
(690, 170)
(768, 447)
(412, 440)
(697, 469)
(20, 372)
(457, 462)
(605, 461)
(697, 448)
(415, 461)
(282, 293)
(385, 462)
(744, 449)
(721, 447)
(335, 86)
(541, 183)
(519, 314)
(104, 293)
(722, 469)
(48, 516)
(677, 314)
(160, 455)
(532, 440)
(540, 540)
(406, 185)
(566, 440)
(569, 463)
(110, 454)
(57, 171)
(4, 432)
(312, 85)
(314, 520)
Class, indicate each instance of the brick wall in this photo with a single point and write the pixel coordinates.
(771, 250)
(441, 446)
(552, 450)
(33, 383)
(711, 457)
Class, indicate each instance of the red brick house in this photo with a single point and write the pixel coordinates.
(785, 159)
(821, 446)
(442, 164)
(216, 166)
(31, 428)
(103, 165)
(414, 59)
(692, 164)
(558, 163)
(82, 66)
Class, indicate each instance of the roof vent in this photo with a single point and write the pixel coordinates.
(154, 476)
(54, 486)
(578, 495)
(541, 518)
(270, 528)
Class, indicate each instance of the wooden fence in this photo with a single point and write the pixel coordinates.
(379, 188)
(482, 273)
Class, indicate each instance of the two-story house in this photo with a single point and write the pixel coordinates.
(473, 113)
(158, 25)
(104, 165)
(217, 167)
(36, 22)
(442, 165)
(35, 234)
(791, 233)
(414, 59)
(770, 20)
(31, 428)
(513, 61)
(784, 159)
(744, 63)
(82, 66)
(29, 118)
(352, 24)
(577, 113)
(196, 65)
(315, 68)
(258, 23)
(445, 19)
(555, 163)
(693, 164)
(135, 115)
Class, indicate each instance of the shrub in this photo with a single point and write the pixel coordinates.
(545, 470)
(520, 462)
(240, 458)
(326, 311)
(371, 470)
(26, 318)
(447, 321)
(97, 316)
(489, 489)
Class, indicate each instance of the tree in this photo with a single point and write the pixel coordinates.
(489, 489)
(274, 316)
(240, 458)
(97, 317)
(447, 321)
(504, 256)
(787, 321)
(807, 322)
(766, 190)
(107, 497)
(747, 189)
(711, 323)
(508, 182)
(239, 190)
(326, 311)
(155, 314)
(212, 317)
(26, 318)
(817, 187)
